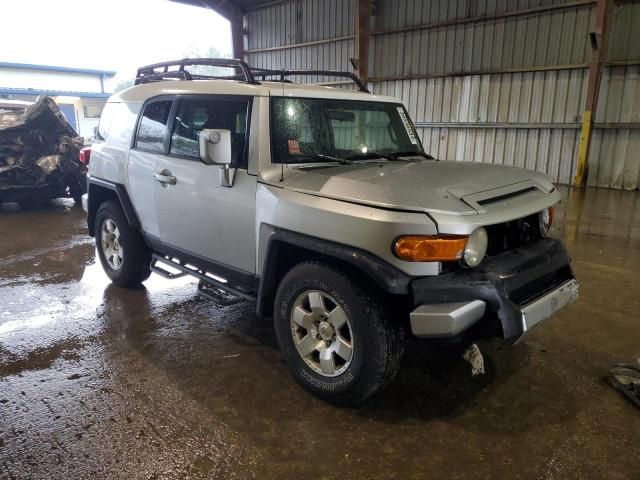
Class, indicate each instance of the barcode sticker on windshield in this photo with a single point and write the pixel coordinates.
(407, 126)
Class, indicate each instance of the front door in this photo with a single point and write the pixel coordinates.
(150, 146)
(195, 213)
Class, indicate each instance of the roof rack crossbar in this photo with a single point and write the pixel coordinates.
(160, 71)
(263, 73)
(179, 74)
(150, 73)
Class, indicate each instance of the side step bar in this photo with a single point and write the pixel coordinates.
(185, 269)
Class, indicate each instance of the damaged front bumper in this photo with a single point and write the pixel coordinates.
(521, 288)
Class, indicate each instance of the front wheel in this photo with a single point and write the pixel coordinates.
(123, 254)
(335, 334)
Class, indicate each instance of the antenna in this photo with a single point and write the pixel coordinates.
(282, 163)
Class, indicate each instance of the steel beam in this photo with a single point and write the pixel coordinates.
(301, 45)
(237, 35)
(363, 38)
(597, 39)
(488, 18)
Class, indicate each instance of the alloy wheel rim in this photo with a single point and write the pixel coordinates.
(111, 246)
(322, 333)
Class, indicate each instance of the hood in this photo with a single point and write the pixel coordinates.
(459, 188)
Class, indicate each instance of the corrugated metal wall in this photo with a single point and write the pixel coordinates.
(306, 22)
(495, 81)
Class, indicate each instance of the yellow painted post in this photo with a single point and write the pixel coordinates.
(583, 149)
(597, 37)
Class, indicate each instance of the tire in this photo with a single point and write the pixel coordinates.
(133, 266)
(356, 318)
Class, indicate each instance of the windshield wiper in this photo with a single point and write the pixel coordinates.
(321, 156)
(370, 156)
(397, 155)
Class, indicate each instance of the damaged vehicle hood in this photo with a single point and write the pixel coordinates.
(449, 187)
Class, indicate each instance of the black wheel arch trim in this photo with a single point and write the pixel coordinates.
(123, 198)
(386, 276)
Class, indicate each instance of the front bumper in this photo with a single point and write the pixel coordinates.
(521, 287)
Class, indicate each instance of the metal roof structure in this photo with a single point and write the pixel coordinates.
(551, 85)
(52, 93)
(228, 8)
(54, 68)
(55, 89)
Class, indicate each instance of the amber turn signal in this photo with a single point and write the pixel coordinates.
(433, 248)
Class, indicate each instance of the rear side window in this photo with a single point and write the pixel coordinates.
(153, 126)
(109, 113)
(194, 115)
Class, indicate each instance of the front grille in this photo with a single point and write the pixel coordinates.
(540, 286)
(509, 235)
(503, 237)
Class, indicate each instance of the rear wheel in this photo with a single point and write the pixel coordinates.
(335, 334)
(123, 254)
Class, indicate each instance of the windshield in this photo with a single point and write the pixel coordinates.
(314, 130)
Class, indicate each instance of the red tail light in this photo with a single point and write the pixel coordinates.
(85, 155)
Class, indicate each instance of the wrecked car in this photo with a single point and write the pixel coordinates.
(39, 155)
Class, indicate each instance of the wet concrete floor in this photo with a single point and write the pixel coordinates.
(100, 382)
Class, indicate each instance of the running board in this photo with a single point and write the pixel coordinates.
(186, 269)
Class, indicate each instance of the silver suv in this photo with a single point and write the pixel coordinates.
(320, 205)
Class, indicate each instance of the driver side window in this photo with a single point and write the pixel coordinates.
(195, 115)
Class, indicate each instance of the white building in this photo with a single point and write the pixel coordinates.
(80, 93)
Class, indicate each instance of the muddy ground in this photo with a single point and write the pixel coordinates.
(100, 382)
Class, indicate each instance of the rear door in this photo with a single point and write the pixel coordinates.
(195, 213)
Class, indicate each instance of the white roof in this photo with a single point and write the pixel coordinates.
(14, 103)
(140, 93)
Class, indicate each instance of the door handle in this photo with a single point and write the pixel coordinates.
(165, 177)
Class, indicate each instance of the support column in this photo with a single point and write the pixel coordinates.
(597, 38)
(237, 36)
(362, 37)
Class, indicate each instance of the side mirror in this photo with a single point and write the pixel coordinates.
(215, 146)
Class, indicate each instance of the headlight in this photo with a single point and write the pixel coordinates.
(545, 219)
(476, 247)
(443, 248)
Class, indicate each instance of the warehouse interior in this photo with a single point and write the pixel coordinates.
(159, 381)
(505, 82)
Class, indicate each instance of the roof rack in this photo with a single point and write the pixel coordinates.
(160, 71)
(263, 73)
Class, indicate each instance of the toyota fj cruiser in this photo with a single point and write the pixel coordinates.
(320, 205)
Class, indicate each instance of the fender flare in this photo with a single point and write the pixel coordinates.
(384, 275)
(94, 184)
